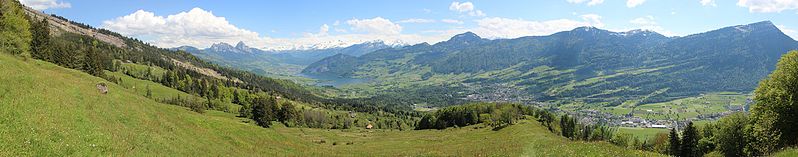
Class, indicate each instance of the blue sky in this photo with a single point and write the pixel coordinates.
(304, 23)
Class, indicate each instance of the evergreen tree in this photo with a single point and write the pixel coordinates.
(92, 62)
(288, 113)
(15, 35)
(40, 44)
(263, 110)
(674, 144)
(567, 125)
(689, 141)
(236, 100)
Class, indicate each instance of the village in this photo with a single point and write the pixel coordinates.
(635, 118)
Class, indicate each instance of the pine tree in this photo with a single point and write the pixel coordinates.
(689, 141)
(263, 111)
(92, 62)
(40, 45)
(236, 100)
(675, 143)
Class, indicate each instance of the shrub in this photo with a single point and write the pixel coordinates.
(731, 136)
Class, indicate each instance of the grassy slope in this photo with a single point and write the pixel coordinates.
(160, 92)
(643, 133)
(787, 152)
(52, 111)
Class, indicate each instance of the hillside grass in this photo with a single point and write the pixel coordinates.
(642, 134)
(159, 91)
(683, 108)
(788, 152)
(53, 111)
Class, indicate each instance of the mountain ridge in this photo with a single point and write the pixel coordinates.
(276, 62)
(731, 58)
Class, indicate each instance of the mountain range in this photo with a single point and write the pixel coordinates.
(585, 64)
(276, 62)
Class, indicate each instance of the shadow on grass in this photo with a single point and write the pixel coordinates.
(499, 127)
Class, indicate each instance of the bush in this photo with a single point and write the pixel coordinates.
(195, 105)
(773, 116)
(493, 114)
(14, 29)
(731, 136)
(625, 140)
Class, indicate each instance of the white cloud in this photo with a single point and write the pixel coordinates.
(768, 6)
(589, 2)
(45, 4)
(634, 3)
(648, 23)
(195, 27)
(461, 7)
(644, 21)
(708, 3)
(790, 32)
(416, 21)
(593, 19)
(496, 27)
(323, 31)
(476, 13)
(200, 28)
(377, 25)
(466, 7)
(452, 21)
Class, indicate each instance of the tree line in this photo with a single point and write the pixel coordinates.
(492, 114)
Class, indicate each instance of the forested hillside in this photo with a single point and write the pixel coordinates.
(275, 63)
(585, 64)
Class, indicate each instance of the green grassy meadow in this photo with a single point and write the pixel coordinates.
(683, 108)
(642, 133)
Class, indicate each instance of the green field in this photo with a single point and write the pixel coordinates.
(53, 111)
(683, 108)
(642, 133)
(787, 152)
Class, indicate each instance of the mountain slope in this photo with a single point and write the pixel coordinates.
(586, 63)
(72, 40)
(51, 110)
(275, 62)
